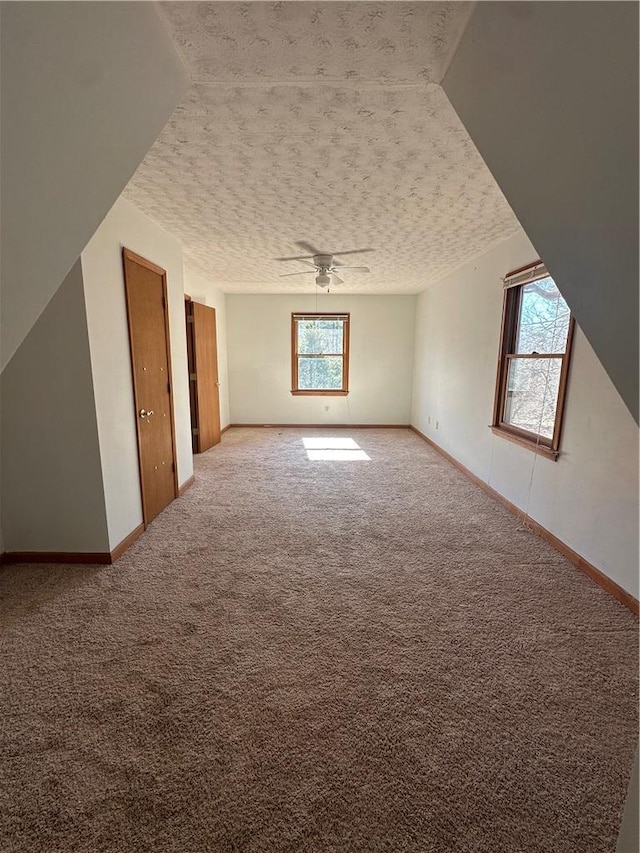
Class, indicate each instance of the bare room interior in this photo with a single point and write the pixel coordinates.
(319, 427)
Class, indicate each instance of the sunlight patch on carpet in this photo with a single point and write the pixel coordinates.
(327, 449)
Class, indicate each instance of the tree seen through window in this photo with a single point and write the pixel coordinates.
(319, 353)
(534, 352)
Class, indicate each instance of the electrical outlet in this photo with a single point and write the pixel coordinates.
(429, 419)
(326, 408)
(437, 424)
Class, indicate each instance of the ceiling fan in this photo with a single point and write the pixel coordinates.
(323, 264)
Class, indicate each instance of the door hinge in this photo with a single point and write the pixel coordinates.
(195, 431)
(193, 377)
(189, 318)
(169, 387)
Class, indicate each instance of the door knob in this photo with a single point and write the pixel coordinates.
(144, 414)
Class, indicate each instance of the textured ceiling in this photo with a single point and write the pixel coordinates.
(321, 122)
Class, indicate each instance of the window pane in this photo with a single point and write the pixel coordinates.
(543, 323)
(320, 374)
(532, 394)
(320, 336)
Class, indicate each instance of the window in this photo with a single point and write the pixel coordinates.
(537, 329)
(320, 354)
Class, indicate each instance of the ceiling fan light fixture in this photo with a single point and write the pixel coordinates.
(323, 279)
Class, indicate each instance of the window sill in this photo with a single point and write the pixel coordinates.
(319, 393)
(540, 449)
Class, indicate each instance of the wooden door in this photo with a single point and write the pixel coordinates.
(203, 373)
(146, 293)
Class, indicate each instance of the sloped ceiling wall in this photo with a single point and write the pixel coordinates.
(85, 89)
(549, 94)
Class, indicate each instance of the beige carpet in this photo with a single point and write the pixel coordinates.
(317, 656)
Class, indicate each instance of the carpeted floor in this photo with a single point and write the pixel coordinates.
(317, 656)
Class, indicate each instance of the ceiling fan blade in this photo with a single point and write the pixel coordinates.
(351, 252)
(351, 269)
(302, 261)
(295, 258)
(314, 252)
(337, 279)
(304, 272)
(308, 247)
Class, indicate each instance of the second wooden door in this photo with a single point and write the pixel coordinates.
(203, 374)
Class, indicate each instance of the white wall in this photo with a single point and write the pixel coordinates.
(549, 94)
(86, 89)
(110, 356)
(589, 497)
(52, 496)
(381, 359)
(201, 290)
